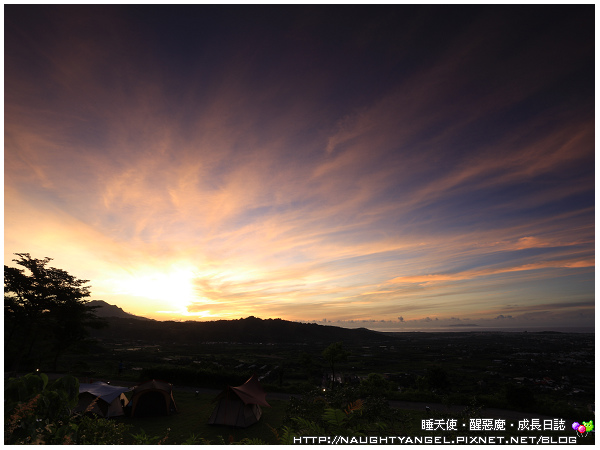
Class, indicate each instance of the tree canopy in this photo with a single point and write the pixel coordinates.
(45, 312)
(333, 354)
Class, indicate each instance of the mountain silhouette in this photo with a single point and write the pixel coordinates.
(246, 330)
(106, 310)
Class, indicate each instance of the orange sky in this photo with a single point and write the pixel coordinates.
(394, 168)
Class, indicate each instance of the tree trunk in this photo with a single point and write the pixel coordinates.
(332, 377)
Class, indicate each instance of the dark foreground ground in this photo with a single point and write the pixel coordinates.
(509, 376)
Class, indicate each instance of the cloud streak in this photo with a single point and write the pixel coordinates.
(284, 190)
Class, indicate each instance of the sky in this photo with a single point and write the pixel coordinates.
(392, 167)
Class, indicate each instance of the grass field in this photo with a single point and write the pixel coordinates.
(192, 418)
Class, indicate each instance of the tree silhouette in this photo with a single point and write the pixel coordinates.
(45, 311)
(334, 354)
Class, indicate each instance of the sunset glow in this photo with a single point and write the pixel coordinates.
(397, 167)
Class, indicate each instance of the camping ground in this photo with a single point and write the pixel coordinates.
(500, 370)
(192, 419)
(190, 425)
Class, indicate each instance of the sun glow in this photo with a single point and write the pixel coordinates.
(173, 287)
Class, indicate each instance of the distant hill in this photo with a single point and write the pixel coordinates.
(106, 310)
(248, 330)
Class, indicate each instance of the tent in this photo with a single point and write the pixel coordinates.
(152, 398)
(239, 406)
(101, 399)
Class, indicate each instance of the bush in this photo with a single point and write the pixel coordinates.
(86, 430)
(340, 409)
(415, 395)
(33, 407)
(41, 412)
(375, 385)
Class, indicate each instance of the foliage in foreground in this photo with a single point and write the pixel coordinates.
(41, 412)
(38, 411)
(346, 410)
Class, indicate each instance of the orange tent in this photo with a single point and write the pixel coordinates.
(239, 406)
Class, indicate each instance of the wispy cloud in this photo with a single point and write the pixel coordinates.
(441, 190)
(425, 280)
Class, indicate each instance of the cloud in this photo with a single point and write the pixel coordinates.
(425, 280)
(423, 196)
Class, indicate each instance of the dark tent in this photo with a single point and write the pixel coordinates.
(152, 398)
(239, 406)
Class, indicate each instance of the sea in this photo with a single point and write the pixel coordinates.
(489, 329)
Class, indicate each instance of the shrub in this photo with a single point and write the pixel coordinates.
(41, 412)
(34, 407)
